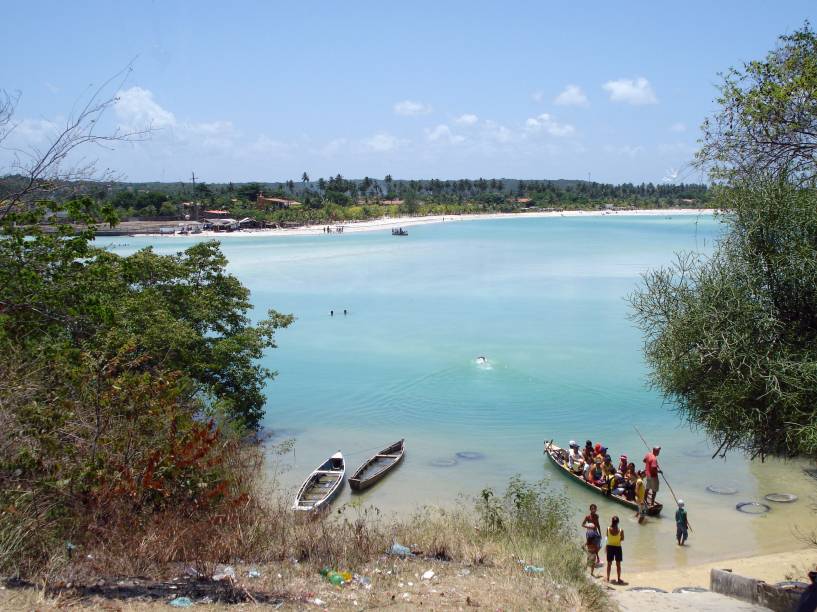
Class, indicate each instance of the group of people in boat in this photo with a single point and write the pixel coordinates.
(595, 465)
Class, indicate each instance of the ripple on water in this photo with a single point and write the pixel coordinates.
(443, 462)
(470, 455)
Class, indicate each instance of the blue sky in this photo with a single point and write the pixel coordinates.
(265, 91)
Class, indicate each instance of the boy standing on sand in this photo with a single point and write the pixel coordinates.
(681, 523)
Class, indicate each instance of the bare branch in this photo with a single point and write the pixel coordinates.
(45, 169)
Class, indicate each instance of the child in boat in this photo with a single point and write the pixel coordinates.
(588, 453)
(621, 470)
(597, 473)
(630, 479)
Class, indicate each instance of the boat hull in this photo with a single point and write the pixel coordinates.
(322, 485)
(393, 455)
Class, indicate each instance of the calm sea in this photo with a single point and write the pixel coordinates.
(544, 301)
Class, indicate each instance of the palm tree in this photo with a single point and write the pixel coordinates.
(305, 177)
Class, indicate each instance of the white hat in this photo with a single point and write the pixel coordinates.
(572, 443)
(680, 503)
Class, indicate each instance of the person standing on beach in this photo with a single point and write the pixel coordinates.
(615, 536)
(652, 470)
(681, 523)
(592, 525)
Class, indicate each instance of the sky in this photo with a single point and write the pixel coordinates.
(266, 91)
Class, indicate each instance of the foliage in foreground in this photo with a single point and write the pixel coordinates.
(126, 384)
(733, 339)
(768, 116)
(61, 296)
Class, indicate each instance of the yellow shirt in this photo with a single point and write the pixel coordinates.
(640, 491)
(614, 539)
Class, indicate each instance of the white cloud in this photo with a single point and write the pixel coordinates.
(546, 123)
(333, 147)
(410, 108)
(381, 142)
(678, 127)
(626, 150)
(538, 95)
(264, 145)
(631, 91)
(137, 108)
(467, 119)
(572, 95)
(32, 132)
(443, 133)
(498, 132)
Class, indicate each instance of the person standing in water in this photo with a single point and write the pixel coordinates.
(615, 536)
(681, 523)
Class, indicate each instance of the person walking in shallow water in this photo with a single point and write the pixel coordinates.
(681, 523)
(615, 536)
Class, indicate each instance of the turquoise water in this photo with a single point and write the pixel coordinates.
(544, 300)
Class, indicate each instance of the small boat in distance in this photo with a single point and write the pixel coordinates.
(399, 231)
(559, 458)
(375, 468)
(321, 485)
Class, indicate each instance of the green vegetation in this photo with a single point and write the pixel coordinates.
(128, 388)
(125, 385)
(767, 117)
(339, 199)
(732, 338)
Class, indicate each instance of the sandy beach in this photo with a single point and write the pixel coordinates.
(772, 568)
(387, 223)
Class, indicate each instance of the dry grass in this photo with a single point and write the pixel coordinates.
(473, 565)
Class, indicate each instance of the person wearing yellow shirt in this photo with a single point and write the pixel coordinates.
(615, 536)
(641, 496)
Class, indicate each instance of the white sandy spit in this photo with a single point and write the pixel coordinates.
(388, 223)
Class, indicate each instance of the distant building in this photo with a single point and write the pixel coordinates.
(264, 203)
(217, 213)
(522, 200)
(248, 222)
(395, 202)
(223, 225)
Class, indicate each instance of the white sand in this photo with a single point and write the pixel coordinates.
(386, 223)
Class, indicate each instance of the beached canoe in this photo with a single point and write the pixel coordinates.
(559, 458)
(375, 468)
(321, 485)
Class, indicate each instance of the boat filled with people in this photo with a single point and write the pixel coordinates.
(593, 468)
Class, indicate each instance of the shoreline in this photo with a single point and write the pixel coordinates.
(770, 567)
(388, 223)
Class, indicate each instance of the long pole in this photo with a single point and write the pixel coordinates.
(649, 448)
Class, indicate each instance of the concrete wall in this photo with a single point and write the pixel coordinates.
(752, 590)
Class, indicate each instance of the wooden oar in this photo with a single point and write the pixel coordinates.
(649, 448)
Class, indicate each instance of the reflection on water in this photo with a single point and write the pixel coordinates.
(542, 301)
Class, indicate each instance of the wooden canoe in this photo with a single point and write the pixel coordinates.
(559, 458)
(322, 485)
(375, 468)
